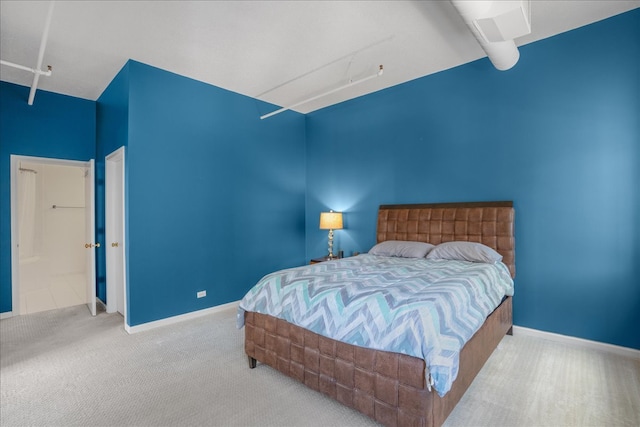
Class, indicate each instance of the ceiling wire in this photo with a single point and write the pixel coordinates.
(351, 83)
(351, 54)
(349, 67)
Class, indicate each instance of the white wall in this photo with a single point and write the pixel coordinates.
(59, 232)
(64, 226)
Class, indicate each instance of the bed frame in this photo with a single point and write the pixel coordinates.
(391, 387)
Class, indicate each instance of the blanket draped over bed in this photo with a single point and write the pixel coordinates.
(423, 308)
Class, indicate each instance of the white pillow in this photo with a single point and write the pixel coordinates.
(465, 251)
(400, 248)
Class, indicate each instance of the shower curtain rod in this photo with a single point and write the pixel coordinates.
(27, 170)
(66, 207)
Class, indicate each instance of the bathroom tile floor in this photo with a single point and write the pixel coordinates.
(48, 293)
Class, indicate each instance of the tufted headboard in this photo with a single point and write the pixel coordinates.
(490, 223)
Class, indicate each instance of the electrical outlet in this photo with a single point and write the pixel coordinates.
(201, 294)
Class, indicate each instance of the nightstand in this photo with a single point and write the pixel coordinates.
(322, 259)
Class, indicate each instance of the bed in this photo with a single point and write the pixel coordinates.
(393, 388)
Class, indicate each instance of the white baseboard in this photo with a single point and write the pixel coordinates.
(180, 318)
(594, 345)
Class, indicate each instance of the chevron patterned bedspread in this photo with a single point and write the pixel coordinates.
(424, 308)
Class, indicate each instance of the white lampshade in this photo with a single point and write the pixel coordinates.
(330, 220)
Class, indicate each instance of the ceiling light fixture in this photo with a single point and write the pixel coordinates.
(338, 89)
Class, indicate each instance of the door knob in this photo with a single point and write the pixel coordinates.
(114, 245)
(91, 245)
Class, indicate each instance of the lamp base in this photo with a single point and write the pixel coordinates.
(331, 256)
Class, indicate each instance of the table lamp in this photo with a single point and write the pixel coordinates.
(330, 221)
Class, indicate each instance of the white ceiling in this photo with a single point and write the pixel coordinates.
(277, 51)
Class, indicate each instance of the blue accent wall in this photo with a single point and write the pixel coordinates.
(559, 134)
(112, 132)
(216, 196)
(55, 126)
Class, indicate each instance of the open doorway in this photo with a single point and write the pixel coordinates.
(51, 211)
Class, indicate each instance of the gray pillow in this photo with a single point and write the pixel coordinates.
(465, 251)
(400, 248)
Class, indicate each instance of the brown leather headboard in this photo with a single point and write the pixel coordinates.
(490, 223)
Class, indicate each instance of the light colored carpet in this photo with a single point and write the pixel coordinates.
(65, 368)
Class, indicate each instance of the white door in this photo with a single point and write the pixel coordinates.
(114, 197)
(90, 245)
